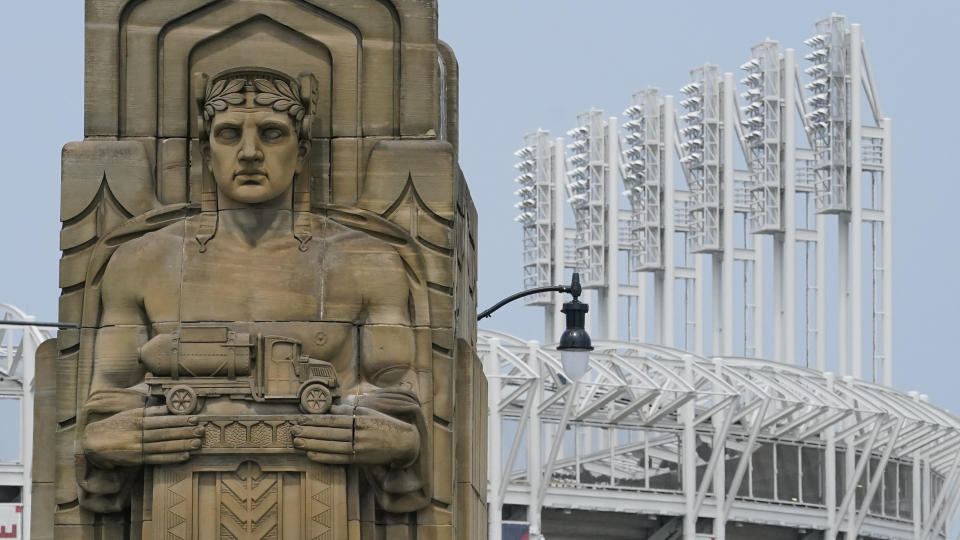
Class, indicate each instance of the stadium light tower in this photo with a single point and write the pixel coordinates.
(739, 254)
(643, 182)
(852, 157)
(648, 138)
(707, 161)
(767, 121)
(828, 114)
(762, 125)
(540, 164)
(586, 178)
(732, 251)
(592, 182)
(700, 154)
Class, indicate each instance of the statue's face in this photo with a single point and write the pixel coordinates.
(253, 154)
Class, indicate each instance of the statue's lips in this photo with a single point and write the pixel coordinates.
(250, 177)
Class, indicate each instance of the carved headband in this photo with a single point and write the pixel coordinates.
(270, 89)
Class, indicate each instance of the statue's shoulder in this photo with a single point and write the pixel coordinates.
(146, 249)
(375, 249)
(352, 228)
(159, 243)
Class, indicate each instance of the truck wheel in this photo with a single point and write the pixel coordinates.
(315, 399)
(181, 399)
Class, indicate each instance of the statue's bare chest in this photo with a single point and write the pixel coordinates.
(271, 282)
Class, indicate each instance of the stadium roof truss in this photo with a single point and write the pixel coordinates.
(710, 415)
(18, 347)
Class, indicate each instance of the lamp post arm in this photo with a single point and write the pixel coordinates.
(573, 288)
(37, 323)
(521, 294)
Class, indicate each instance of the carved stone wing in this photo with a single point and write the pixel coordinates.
(417, 185)
(107, 198)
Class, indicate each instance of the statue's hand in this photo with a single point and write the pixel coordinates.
(357, 435)
(142, 436)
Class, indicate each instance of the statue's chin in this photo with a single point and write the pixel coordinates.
(253, 192)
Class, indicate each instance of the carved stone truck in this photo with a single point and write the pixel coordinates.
(199, 362)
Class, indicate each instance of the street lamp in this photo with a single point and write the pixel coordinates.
(574, 343)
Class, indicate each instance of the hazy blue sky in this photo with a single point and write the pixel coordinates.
(530, 64)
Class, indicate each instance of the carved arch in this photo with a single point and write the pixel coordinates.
(145, 28)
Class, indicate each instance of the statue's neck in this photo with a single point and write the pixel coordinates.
(254, 225)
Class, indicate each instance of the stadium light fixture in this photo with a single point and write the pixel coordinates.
(816, 41)
(816, 70)
(525, 152)
(819, 54)
(691, 88)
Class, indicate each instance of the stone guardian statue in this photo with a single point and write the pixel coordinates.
(274, 331)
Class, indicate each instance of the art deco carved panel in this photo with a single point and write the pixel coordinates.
(270, 251)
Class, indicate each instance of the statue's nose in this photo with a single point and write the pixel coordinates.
(249, 147)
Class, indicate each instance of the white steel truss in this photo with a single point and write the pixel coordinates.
(652, 429)
(543, 192)
(701, 156)
(593, 175)
(587, 179)
(643, 180)
(852, 157)
(829, 115)
(536, 183)
(762, 124)
(742, 255)
(18, 347)
(722, 261)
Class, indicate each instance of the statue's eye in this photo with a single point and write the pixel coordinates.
(228, 134)
(271, 134)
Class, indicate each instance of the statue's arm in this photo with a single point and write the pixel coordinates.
(116, 427)
(388, 355)
(116, 430)
(382, 415)
(123, 327)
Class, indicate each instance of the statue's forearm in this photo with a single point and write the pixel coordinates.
(402, 487)
(387, 357)
(116, 359)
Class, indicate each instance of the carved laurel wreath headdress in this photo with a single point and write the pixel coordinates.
(270, 88)
(298, 98)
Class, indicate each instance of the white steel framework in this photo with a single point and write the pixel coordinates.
(536, 185)
(542, 193)
(701, 156)
(731, 263)
(642, 177)
(18, 347)
(762, 124)
(587, 181)
(829, 113)
(738, 258)
(655, 430)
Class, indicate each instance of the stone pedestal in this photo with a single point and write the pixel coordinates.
(246, 497)
(245, 482)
